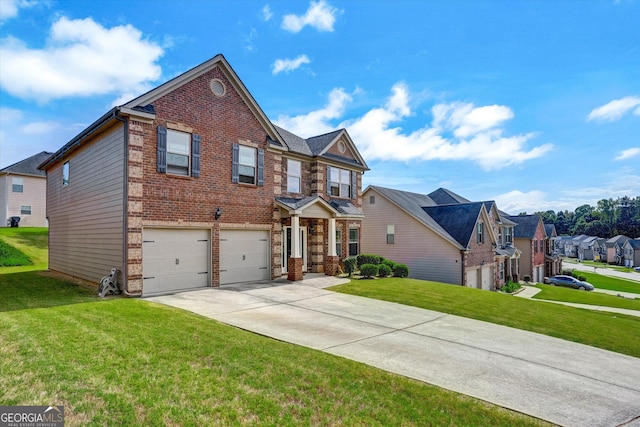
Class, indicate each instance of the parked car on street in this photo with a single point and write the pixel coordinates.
(571, 282)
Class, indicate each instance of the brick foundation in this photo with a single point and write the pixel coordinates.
(295, 269)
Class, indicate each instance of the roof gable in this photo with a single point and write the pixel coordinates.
(442, 196)
(527, 225)
(459, 220)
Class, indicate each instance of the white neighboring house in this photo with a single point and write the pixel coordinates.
(23, 192)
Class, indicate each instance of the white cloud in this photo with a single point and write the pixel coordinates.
(628, 153)
(9, 8)
(615, 109)
(82, 58)
(266, 12)
(516, 201)
(320, 15)
(287, 65)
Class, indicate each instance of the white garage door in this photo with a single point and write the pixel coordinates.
(174, 260)
(472, 278)
(487, 277)
(244, 256)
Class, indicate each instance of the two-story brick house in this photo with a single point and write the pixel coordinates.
(530, 238)
(191, 185)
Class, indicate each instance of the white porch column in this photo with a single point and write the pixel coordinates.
(332, 237)
(295, 237)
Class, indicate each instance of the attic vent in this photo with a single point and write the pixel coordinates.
(217, 87)
(341, 147)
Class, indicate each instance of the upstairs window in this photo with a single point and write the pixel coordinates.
(508, 235)
(391, 234)
(535, 246)
(178, 153)
(65, 173)
(247, 165)
(341, 183)
(480, 232)
(294, 175)
(17, 185)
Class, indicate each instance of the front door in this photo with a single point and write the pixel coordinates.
(287, 244)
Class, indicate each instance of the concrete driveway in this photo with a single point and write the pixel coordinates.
(562, 382)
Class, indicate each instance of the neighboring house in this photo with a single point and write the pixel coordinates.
(600, 250)
(190, 185)
(453, 243)
(22, 192)
(530, 239)
(586, 248)
(631, 251)
(615, 253)
(552, 258)
(563, 244)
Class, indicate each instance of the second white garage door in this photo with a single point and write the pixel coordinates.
(174, 260)
(244, 256)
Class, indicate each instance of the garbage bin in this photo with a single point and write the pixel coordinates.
(15, 220)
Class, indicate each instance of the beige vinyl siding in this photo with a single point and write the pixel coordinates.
(428, 255)
(33, 194)
(3, 200)
(526, 269)
(86, 217)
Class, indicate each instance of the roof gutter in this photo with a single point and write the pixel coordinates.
(80, 138)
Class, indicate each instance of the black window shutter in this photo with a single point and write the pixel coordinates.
(328, 180)
(354, 185)
(195, 156)
(260, 167)
(235, 170)
(161, 158)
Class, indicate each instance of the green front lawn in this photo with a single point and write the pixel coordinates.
(615, 332)
(131, 362)
(599, 265)
(554, 293)
(611, 283)
(32, 242)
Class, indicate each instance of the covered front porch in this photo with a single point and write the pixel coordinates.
(311, 227)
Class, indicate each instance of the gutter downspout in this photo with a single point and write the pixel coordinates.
(125, 222)
(462, 252)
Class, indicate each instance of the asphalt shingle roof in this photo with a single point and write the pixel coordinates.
(29, 166)
(459, 220)
(527, 225)
(442, 196)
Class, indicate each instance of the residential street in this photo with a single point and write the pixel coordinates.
(600, 270)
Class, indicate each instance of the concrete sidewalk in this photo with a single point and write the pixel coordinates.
(566, 383)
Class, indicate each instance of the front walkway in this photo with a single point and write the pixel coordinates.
(563, 382)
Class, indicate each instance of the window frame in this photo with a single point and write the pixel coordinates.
(342, 174)
(291, 176)
(339, 242)
(172, 138)
(25, 210)
(254, 165)
(480, 233)
(354, 242)
(17, 184)
(66, 170)
(391, 234)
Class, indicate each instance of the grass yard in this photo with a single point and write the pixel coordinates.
(554, 293)
(599, 265)
(612, 283)
(615, 332)
(32, 242)
(131, 362)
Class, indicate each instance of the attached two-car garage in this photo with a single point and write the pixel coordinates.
(178, 259)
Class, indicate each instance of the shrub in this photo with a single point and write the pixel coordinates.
(349, 265)
(526, 279)
(369, 270)
(510, 287)
(368, 259)
(401, 270)
(582, 278)
(567, 272)
(384, 270)
(388, 262)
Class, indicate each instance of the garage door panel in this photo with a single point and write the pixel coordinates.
(244, 256)
(175, 260)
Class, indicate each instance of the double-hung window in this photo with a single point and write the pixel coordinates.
(294, 174)
(507, 234)
(480, 228)
(17, 185)
(178, 152)
(25, 210)
(353, 241)
(339, 242)
(391, 234)
(247, 165)
(340, 182)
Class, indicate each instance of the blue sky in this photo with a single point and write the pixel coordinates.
(533, 104)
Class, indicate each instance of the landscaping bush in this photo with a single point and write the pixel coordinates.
(510, 287)
(368, 259)
(369, 270)
(526, 279)
(388, 262)
(349, 265)
(582, 278)
(401, 270)
(384, 270)
(567, 272)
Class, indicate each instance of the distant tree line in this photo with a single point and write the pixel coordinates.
(609, 218)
